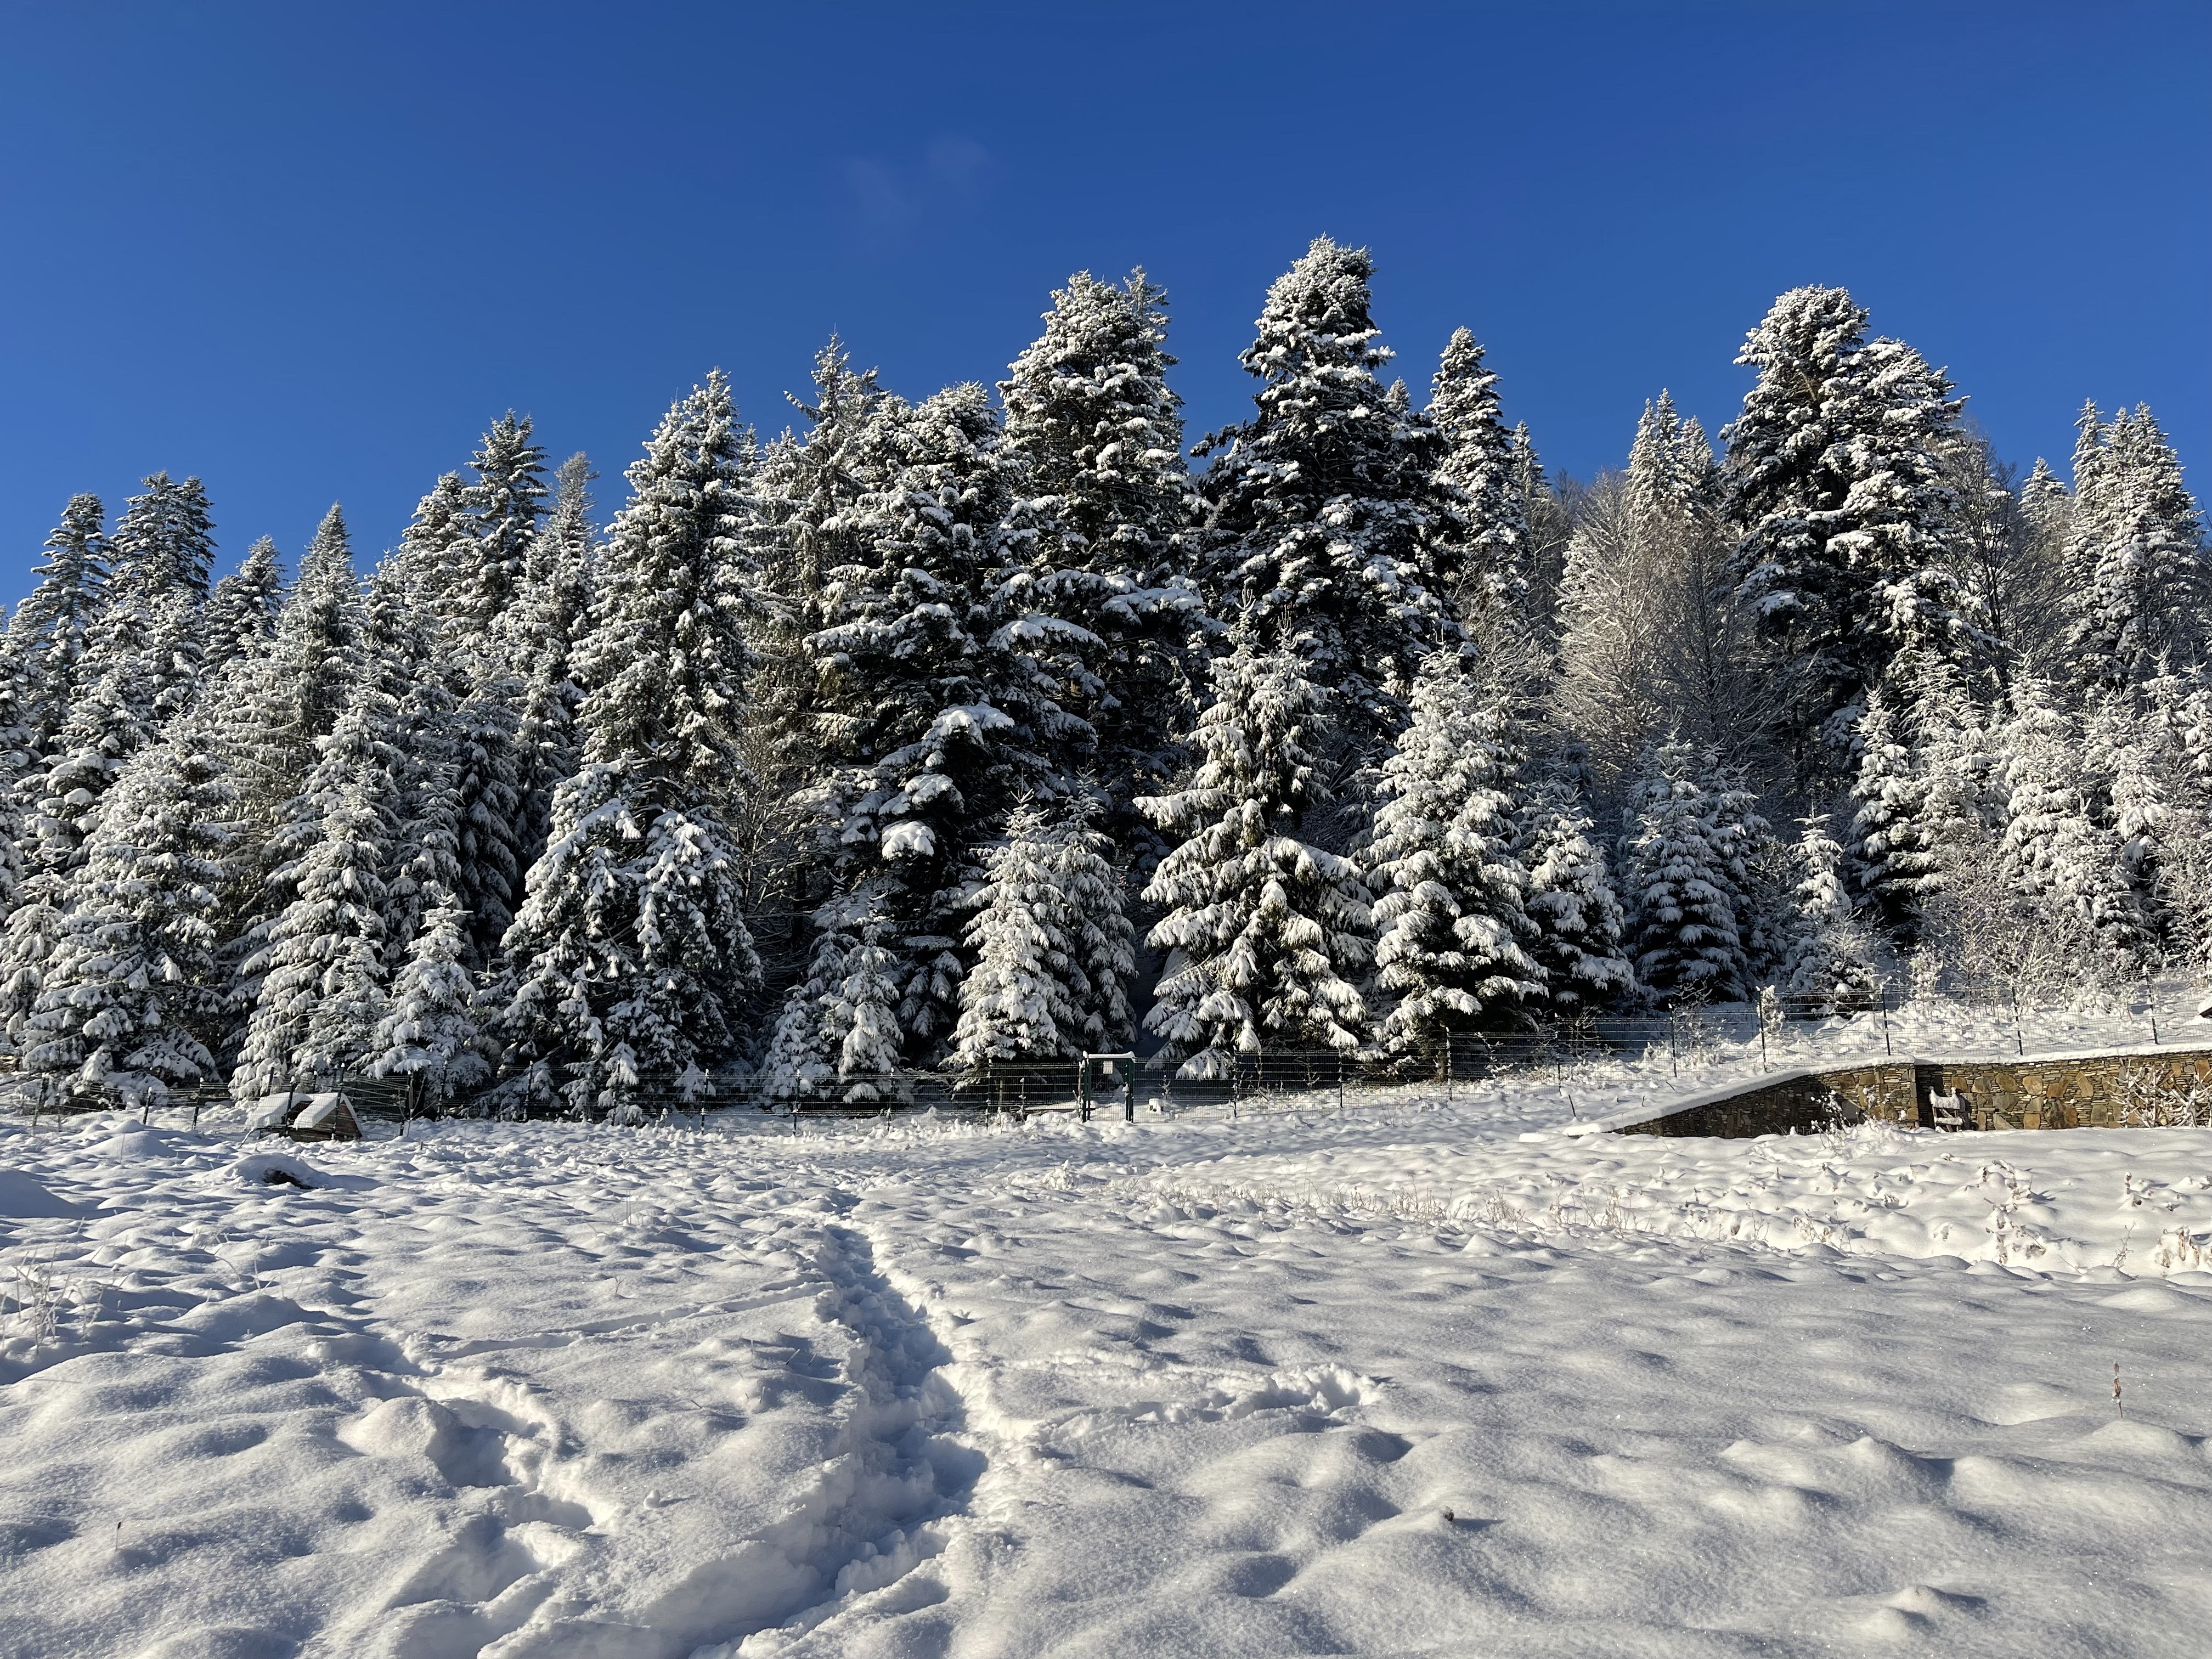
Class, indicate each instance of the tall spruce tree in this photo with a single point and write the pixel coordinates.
(932, 715)
(1479, 463)
(1328, 531)
(499, 518)
(1452, 933)
(1572, 905)
(1265, 933)
(240, 616)
(1835, 477)
(164, 540)
(324, 963)
(2136, 579)
(1687, 864)
(631, 958)
(130, 998)
(1096, 437)
(1892, 856)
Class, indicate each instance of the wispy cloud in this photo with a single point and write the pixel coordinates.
(893, 201)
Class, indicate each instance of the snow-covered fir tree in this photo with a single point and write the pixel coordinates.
(129, 997)
(1479, 462)
(498, 521)
(324, 963)
(2054, 851)
(2136, 579)
(1892, 860)
(1327, 531)
(164, 539)
(1831, 958)
(1688, 860)
(46, 635)
(931, 713)
(1052, 948)
(544, 626)
(1452, 933)
(1835, 477)
(1266, 934)
(632, 962)
(1097, 436)
(1577, 916)
(432, 1033)
(241, 616)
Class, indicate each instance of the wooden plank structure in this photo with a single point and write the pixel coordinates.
(305, 1117)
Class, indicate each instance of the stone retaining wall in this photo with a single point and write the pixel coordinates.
(2127, 1091)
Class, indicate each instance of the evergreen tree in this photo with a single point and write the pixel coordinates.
(544, 625)
(1451, 929)
(322, 976)
(1570, 903)
(1328, 531)
(499, 517)
(1893, 859)
(2054, 850)
(931, 713)
(1097, 436)
(438, 547)
(1834, 474)
(1684, 864)
(631, 957)
(431, 1033)
(1831, 956)
(2136, 575)
(1052, 947)
(1266, 930)
(164, 540)
(240, 617)
(129, 994)
(46, 636)
(1480, 462)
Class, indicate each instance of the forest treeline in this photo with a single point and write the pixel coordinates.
(988, 729)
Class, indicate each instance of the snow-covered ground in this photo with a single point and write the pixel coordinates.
(1411, 1377)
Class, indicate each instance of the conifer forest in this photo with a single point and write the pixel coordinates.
(925, 734)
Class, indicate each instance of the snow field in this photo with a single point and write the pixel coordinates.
(1415, 1377)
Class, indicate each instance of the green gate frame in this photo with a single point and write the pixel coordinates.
(1085, 1099)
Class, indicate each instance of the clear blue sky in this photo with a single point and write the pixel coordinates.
(307, 252)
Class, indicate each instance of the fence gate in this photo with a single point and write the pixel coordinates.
(1104, 1075)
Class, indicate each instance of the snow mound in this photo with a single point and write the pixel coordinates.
(22, 1198)
(276, 1170)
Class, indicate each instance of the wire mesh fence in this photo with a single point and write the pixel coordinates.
(1685, 1040)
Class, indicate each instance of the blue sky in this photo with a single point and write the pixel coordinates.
(308, 252)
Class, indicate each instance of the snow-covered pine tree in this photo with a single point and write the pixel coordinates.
(499, 517)
(1267, 932)
(130, 998)
(1892, 860)
(164, 540)
(1479, 462)
(1688, 906)
(631, 958)
(277, 705)
(46, 635)
(866, 1016)
(1835, 477)
(547, 621)
(1022, 1000)
(439, 546)
(1097, 436)
(1452, 933)
(2136, 579)
(931, 716)
(241, 616)
(1832, 955)
(1327, 532)
(2055, 850)
(1052, 945)
(322, 975)
(432, 1033)
(1571, 902)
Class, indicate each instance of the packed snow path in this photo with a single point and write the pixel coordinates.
(1400, 1381)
